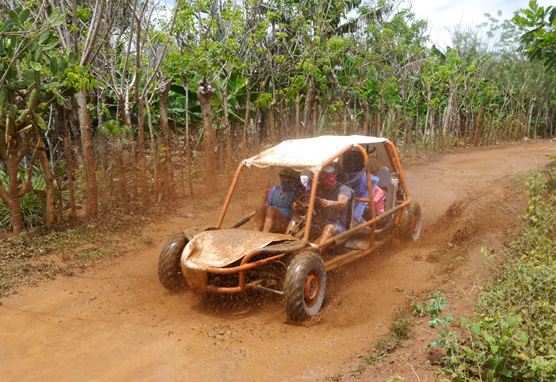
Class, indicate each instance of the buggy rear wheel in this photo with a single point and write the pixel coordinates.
(169, 268)
(304, 286)
(411, 222)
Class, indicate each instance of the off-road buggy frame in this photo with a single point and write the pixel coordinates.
(233, 259)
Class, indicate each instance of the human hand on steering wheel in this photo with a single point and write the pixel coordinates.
(324, 203)
(301, 206)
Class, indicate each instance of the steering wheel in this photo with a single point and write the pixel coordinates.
(299, 222)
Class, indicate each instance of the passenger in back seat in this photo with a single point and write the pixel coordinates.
(362, 211)
(354, 164)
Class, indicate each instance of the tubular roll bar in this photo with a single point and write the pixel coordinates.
(229, 196)
(396, 163)
(245, 265)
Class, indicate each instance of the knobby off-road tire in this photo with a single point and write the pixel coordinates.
(411, 223)
(304, 286)
(169, 268)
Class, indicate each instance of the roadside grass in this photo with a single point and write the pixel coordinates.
(401, 330)
(512, 333)
(42, 254)
(429, 305)
(400, 333)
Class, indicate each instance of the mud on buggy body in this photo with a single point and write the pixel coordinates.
(232, 260)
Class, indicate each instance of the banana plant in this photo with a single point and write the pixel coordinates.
(34, 74)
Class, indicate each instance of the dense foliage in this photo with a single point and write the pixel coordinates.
(139, 100)
(512, 336)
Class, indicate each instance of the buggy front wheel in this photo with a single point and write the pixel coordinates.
(169, 267)
(304, 286)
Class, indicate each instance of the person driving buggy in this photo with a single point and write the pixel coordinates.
(333, 198)
(274, 215)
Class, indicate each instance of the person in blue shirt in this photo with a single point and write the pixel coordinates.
(276, 213)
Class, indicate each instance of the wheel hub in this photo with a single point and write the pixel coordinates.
(311, 288)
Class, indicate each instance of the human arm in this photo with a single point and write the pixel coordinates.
(339, 204)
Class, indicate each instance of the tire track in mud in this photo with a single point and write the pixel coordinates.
(116, 322)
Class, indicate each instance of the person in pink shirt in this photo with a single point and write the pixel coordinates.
(379, 196)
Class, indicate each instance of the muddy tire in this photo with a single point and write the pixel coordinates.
(304, 286)
(169, 268)
(411, 223)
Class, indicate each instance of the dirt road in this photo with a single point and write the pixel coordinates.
(117, 323)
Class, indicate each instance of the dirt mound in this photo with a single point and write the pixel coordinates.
(115, 322)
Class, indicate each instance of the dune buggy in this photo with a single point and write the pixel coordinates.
(236, 259)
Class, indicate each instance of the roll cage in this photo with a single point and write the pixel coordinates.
(386, 155)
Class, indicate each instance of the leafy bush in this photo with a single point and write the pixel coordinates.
(512, 335)
(32, 206)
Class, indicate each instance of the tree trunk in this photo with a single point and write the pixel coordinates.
(297, 132)
(12, 197)
(246, 123)
(187, 142)
(354, 121)
(396, 124)
(14, 205)
(204, 93)
(100, 116)
(510, 127)
(379, 121)
(271, 111)
(518, 128)
(405, 127)
(154, 154)
(167, 170)
(124, 112)
(427, 116)
(536, 132)
(133, 169)
(142, 154)
(227, 135)
(478, 126)
(308, 102)
(282, 123)
(315, 120)
(49, 182)
(70, 164)
(91, 191)
(458, 128)
(122, 179)
(367, 120)
(256, 130)
(466, 128)
(344, 121)
(529, 120)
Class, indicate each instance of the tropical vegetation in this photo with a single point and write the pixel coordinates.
(106, 100)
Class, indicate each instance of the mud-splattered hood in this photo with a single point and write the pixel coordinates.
(219, 248)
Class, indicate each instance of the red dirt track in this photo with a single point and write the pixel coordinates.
(115, 322)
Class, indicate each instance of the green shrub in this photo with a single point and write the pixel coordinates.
(32, 206)
(512, 335)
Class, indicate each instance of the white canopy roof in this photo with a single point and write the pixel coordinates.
(309, 153)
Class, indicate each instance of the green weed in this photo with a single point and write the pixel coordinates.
(512, 334)
(395, 378)
(401, 329)
(146, 239)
